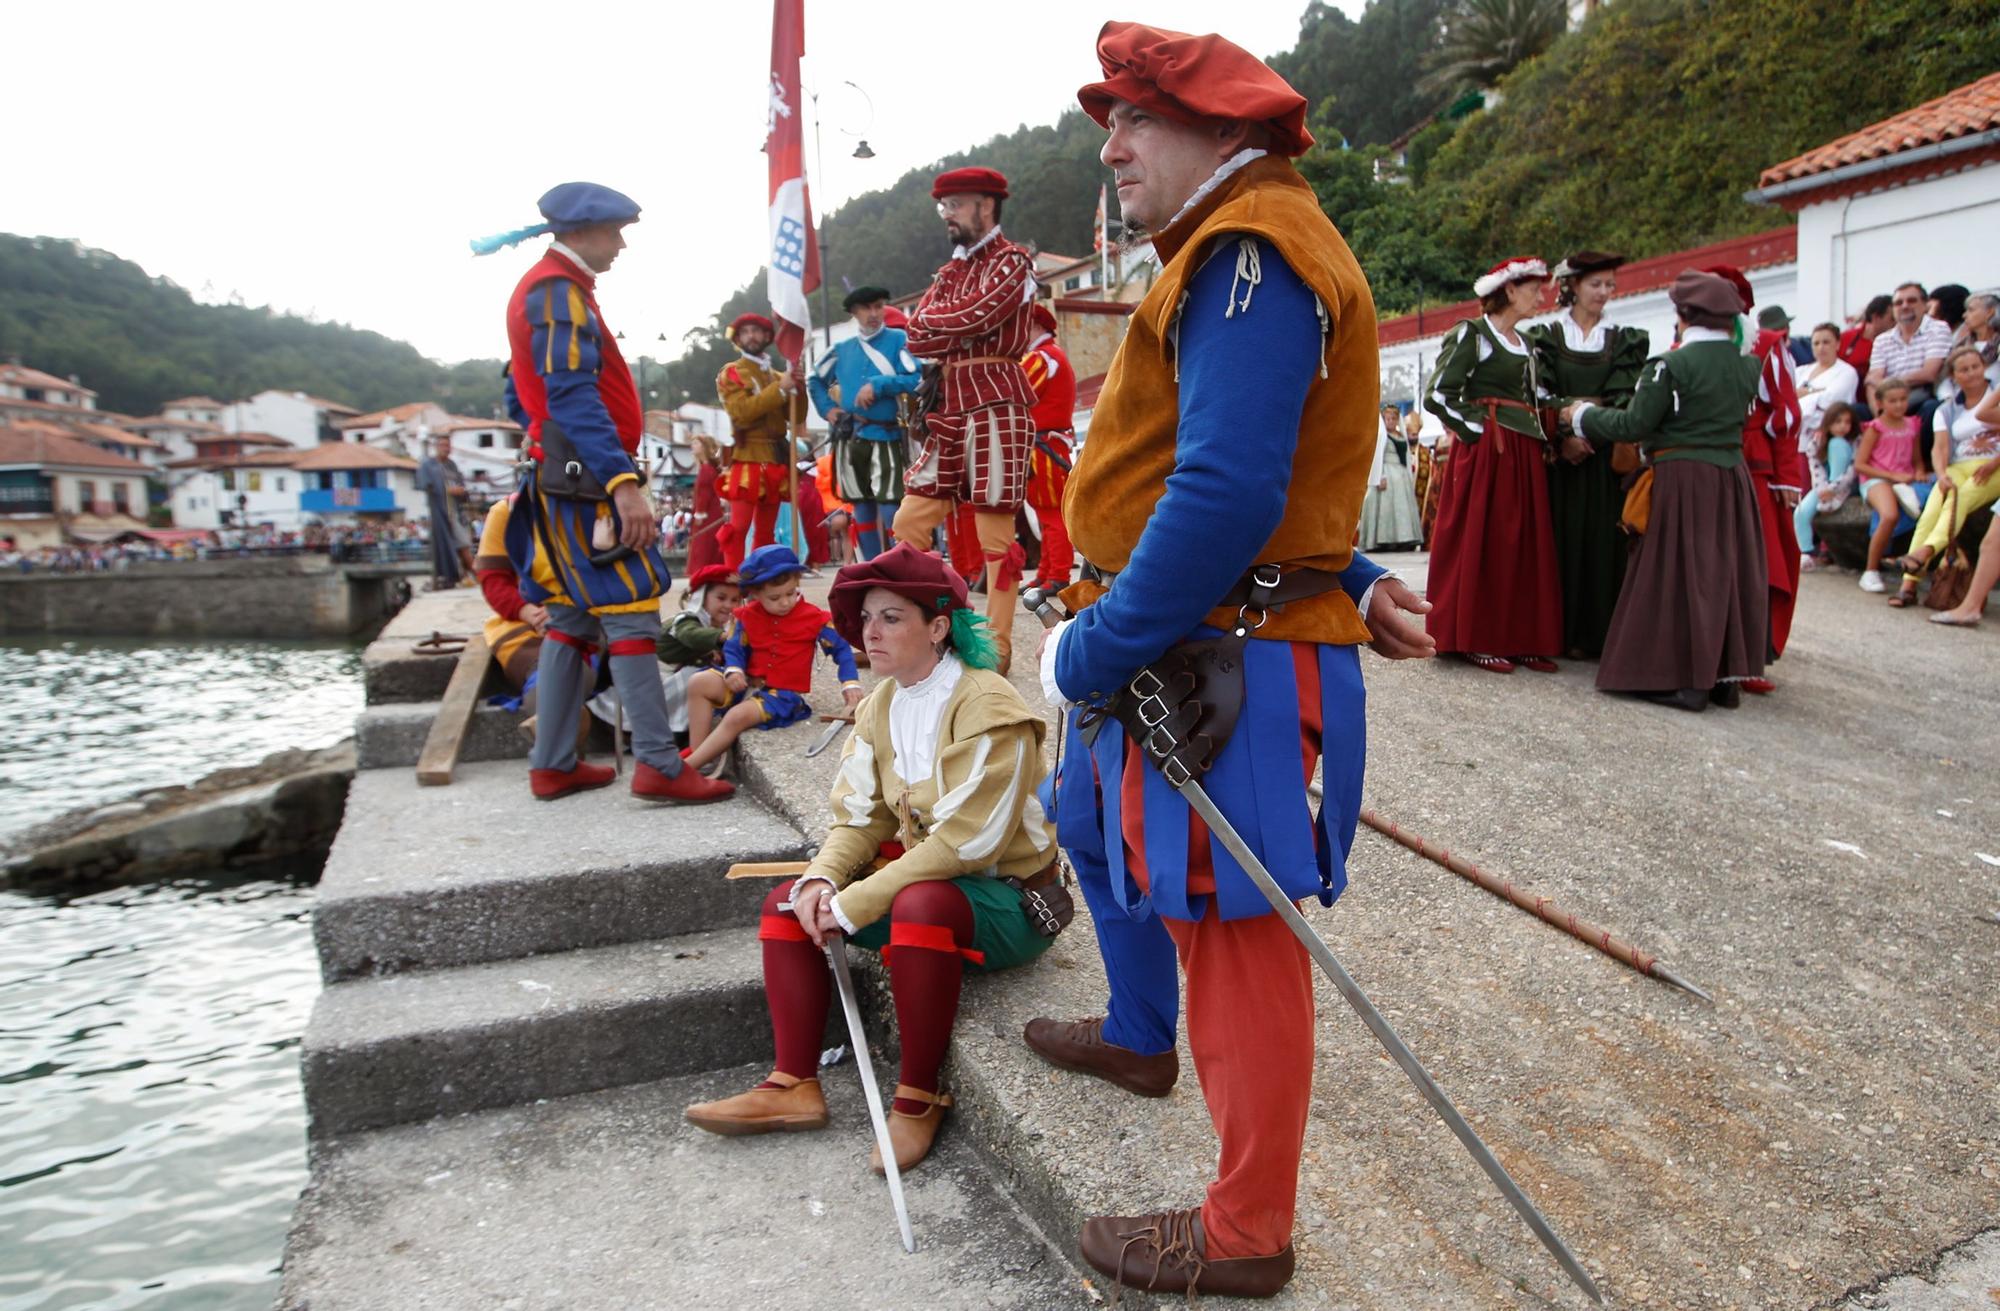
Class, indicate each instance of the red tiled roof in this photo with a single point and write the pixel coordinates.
(349, 455)
(240, 438)
(106, 432)
(399, 413)
(464, 423)
(1974, 107)
(193, 402)
(1779, 246)
(162, 421)
(20, 375)
(46, 444)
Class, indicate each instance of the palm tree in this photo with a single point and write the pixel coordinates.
(1484, 40)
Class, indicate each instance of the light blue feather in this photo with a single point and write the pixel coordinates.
(500, 241)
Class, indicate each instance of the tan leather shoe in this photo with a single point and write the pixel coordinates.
(1079, 1045)
(1167, 1253)
(794, 1106)
(911, 1135)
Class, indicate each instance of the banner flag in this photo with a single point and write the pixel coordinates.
(794, 256)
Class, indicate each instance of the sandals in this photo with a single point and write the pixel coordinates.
(1904, 598)
(1490, 663)
(1909, 564)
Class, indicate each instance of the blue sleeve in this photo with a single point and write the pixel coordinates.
(909, 375)
(564, 340)
(513, 399)
(843, 655)
(735, 651)
(1359, 576)
(816, 383)
(1243, 382)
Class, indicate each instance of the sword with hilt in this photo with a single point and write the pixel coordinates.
(1184, 782)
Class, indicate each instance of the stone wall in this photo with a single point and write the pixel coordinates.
(300, 596)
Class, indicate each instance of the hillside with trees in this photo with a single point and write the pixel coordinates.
(139, 340)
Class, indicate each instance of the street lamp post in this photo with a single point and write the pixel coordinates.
(819, 158)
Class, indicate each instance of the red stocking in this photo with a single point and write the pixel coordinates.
(797, 987)
(930, 930)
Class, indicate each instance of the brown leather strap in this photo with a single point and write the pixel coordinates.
(1295, 583)
(909, 1094)
(981, 359)
(787, 1081)
(1041, 878)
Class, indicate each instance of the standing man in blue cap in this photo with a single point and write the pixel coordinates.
(584, 538)
(854, 388)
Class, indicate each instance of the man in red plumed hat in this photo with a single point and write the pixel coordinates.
(974, 323)
(1216, 501)
(763, 398)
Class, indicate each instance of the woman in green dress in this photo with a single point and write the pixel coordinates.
(1581, 357)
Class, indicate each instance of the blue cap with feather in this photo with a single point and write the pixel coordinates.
(565, 208)
(767, 564)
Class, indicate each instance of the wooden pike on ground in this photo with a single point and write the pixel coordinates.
(454, 716)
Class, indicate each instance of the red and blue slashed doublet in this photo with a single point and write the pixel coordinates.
(1120, 811)
(564, 366)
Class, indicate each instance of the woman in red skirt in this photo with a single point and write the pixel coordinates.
(703, 548)
(1495, 593)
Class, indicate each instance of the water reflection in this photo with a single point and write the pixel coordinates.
(92, 720)
(151, 1134)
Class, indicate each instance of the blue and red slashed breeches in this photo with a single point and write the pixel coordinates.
(930, 939)
(1142, 855)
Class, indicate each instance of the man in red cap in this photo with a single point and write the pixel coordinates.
(974, 322)
(1248, 371)
(763, 398)
(1054, 381)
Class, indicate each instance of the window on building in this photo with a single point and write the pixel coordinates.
(86, 492)
(366, 478)
(486, 441)
(121, 497)
(1069, 284)
(256, 481)
(229, 479)
(513, 441)
(281, 482)
(325, 481)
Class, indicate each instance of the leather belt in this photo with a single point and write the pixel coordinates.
(1254, 589)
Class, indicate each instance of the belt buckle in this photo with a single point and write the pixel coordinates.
(1152, 720)
(1139, 681)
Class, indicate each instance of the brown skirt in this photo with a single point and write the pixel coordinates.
(1694, 609)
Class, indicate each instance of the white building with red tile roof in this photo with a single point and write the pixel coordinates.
(274, 484)
(304, 421)
(195, 409)
(21, 383)
(55, 487)
(1913, 198)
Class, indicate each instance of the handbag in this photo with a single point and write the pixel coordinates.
(1638, 512)
(563, 474)
(1953, 576)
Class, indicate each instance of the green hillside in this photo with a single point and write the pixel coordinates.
(139, 340)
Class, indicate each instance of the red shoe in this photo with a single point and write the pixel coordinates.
(1540, 664)
(548, 784)
(1492, 664)
(1760, 686)
(649, 784)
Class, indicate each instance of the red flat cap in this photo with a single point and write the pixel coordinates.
(1043, 317)
(1732, 275)
(895, 318)
(708, 575)
(1186, 78)
(961, 181)
(902, 569)
(748, 320)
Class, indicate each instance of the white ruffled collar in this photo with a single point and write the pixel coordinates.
(967, 252)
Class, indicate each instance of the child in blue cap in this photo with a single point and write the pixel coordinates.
(766, 659)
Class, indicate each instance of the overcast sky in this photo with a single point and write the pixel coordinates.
(333, 160)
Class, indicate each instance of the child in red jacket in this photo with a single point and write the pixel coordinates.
(767, 659)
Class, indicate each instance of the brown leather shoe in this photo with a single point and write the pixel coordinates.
(1164, 1254)
(1079, 1045)
(794, 1106)
(911, 1135)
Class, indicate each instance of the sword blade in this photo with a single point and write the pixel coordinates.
(1198, 799)
(864, 1064)
(825, 739)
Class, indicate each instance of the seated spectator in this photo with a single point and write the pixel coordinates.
(1981, 331)
(1832, 461)
(1857, 343)
(691, 640)
(1966, 613)
(1913, 351)
(1965, 452)
(1890, 467)
(1947, 305)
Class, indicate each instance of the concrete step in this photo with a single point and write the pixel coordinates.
(411, 1046)
(392, 669)
(430, 878)
(611, 1200)
(392, 735)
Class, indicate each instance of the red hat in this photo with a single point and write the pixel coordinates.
(1518, 268)
(749, 320)
(904, 570)
(1044, 318)
(708, 575)
(1186, 78)
(961, 181)
(1732, 275)
(895, 318)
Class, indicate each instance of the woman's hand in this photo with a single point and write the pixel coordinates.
(810, 906)
(1575, 449)
(1984, 473)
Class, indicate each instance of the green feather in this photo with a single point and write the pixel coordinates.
(973, 639)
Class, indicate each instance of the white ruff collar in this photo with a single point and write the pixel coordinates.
(967, 252)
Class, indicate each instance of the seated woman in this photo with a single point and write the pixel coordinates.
(937, 791)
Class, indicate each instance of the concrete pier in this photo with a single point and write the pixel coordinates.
(522, 1027)
(289, 596)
